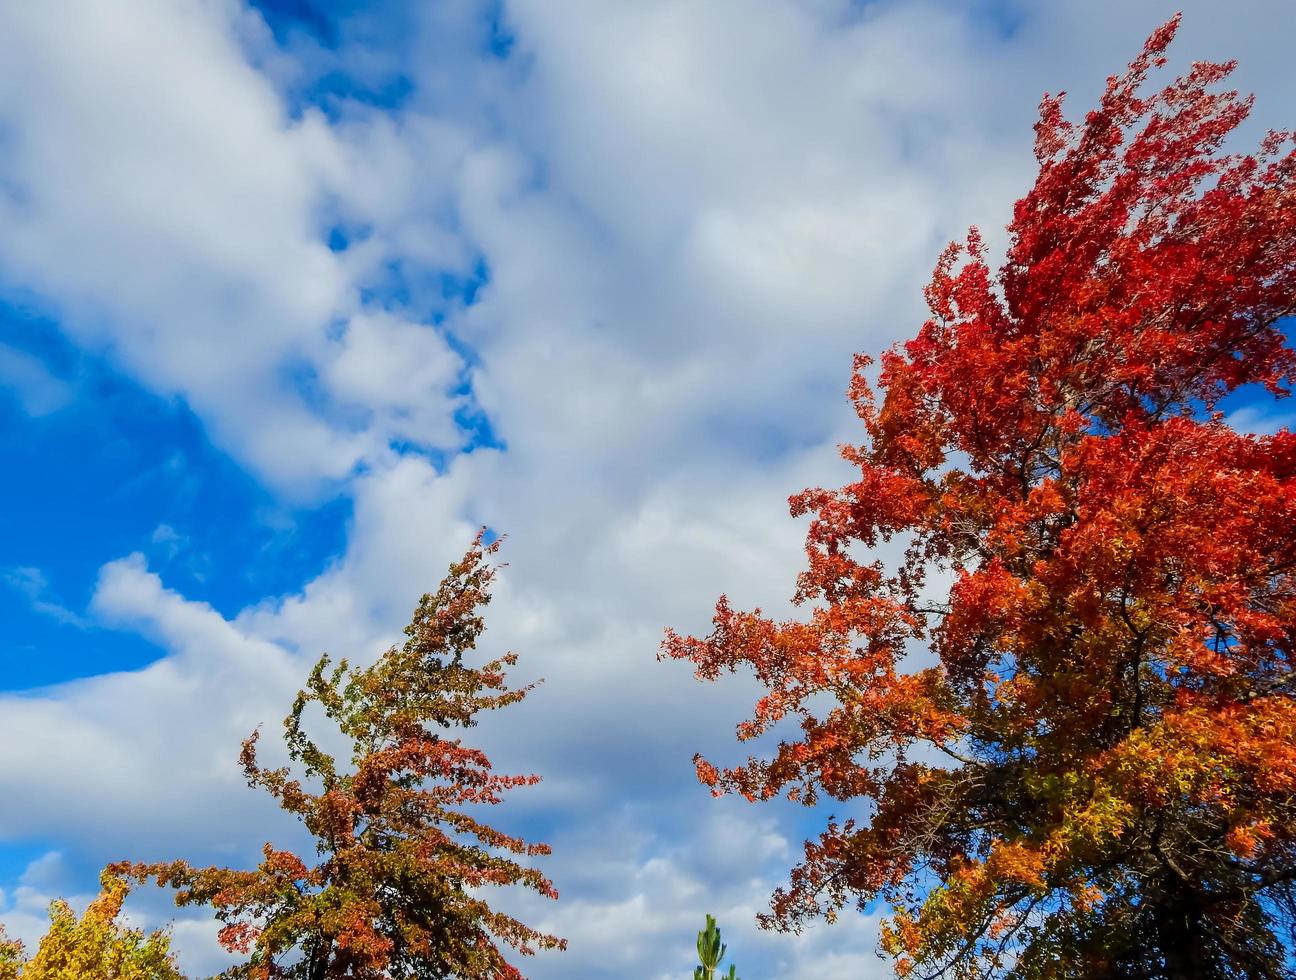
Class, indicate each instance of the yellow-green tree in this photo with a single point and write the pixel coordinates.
(11, 955)
(96, 945)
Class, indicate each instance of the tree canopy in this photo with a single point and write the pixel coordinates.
(396, 893)
(96, 945)
(1079, 758)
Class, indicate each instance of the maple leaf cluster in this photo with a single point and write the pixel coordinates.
(1090, 768)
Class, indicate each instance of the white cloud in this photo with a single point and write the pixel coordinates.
(638, 901)
(157, 194)
(32, 584)
(155, 749)
(388, 367)
(1263, 419)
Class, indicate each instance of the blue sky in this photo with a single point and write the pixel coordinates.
(293, 296)
(118, 469)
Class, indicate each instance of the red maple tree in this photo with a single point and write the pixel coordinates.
(396, 892)
(1090, 767)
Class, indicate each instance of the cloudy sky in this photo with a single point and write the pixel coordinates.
(295, 294)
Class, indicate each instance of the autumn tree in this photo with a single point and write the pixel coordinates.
(1079, 758)
(94, 946)
(396, 892)
(11, 956)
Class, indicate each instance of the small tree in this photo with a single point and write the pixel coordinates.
(711, 951)
(396, 891)
(11, 956)
(1092, 772)
(94, 946)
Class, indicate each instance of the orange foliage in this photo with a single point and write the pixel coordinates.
(397, 890)
(1092, 772)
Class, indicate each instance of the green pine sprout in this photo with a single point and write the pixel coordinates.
(711, 951)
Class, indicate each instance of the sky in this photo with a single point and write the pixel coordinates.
(295, 295)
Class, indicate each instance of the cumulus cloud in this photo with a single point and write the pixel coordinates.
(160, 197)
(156, 749)
(680, 220)
(390, 369)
